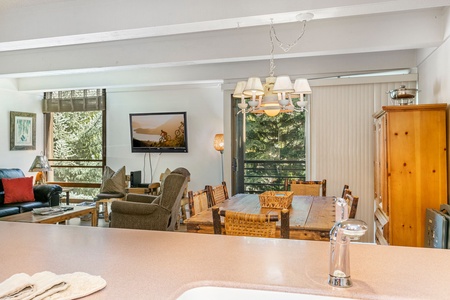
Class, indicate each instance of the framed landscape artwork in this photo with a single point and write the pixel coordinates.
(22, 131)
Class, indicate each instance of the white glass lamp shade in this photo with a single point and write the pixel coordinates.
(254, 87)
(301, 86)
(272, 112)
(302, 103)
(283, 84)
(242, 105)
(284, 102)
(253, 103)
(239, 90)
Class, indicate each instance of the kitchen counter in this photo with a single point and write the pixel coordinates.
(140, 264)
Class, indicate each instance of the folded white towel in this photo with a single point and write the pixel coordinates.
(47, 284)
(16, 287)
(80, 285)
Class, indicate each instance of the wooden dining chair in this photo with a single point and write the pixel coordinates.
(217, 194)
(198, 202)
(352, 202)
(307, 188)
(343, 190)
(246, 224)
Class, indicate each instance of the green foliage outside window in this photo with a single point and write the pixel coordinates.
(274, 150)
(78, 136)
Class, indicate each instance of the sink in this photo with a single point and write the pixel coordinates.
(226, 293)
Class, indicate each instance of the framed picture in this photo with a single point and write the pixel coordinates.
(22, 131)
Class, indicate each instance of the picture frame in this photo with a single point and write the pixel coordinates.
(22, 131)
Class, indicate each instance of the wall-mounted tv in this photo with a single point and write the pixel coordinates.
(158, 132)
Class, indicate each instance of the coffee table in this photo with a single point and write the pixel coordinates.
(77, 211)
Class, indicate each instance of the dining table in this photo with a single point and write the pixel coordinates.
(310, 217)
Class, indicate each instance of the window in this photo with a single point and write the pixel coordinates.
(269, 150)
(75, 141)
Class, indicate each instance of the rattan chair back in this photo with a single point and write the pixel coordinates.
(198, 201)
(217, 194)
(308, 188)
(352, 202)
(346, 187)
(246, 224)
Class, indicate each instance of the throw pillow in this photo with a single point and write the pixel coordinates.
(113, 182)
(18, 189)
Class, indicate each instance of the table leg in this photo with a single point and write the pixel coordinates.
(94, 218)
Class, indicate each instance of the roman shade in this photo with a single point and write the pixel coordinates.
(75, 100)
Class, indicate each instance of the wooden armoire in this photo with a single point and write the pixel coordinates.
(410, 170)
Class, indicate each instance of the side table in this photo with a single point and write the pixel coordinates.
(104, 204)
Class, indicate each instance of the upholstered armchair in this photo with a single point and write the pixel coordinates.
(140, 211)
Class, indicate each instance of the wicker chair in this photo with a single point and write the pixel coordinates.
(343, 190)
(244, 224)
(198, 201)
(307, 188)
(217, 194)
(352, 202)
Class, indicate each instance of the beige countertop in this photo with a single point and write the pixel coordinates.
(139, 264)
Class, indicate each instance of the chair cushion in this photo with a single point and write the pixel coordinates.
(113, 182)
(110, 195)
(8, 210)
(18, 189)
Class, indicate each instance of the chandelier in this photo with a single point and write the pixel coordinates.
(278, 93)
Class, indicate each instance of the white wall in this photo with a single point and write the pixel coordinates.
(204, 107)
(12, 100)
(434, 78)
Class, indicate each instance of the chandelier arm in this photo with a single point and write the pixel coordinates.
(286, 47)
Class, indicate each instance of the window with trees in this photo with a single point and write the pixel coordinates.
(272, 149)
(75, 139)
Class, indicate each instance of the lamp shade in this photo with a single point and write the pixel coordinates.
(283, 84)
(239, 90)
(254, 87)
(40, 164)
(219, 142)
(301, 86)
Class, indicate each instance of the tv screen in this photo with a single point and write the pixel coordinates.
(158, 132)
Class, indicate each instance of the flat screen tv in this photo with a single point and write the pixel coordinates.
(158, 132)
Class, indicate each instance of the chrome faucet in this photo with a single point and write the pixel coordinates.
(340, 236)
(341, 209)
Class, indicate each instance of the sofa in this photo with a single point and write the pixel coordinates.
(37, 195)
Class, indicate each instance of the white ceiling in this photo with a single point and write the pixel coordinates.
(142, 42)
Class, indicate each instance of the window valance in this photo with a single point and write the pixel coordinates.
(75, 100)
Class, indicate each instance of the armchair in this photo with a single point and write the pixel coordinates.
(140, 211)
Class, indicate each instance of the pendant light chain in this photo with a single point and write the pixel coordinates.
(272, 48)
(285, 47)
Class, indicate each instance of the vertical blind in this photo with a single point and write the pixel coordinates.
(342, 139)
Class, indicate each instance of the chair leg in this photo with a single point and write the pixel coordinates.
(105, 211)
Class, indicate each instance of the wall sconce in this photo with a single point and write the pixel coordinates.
(40, 165)
(219, 146)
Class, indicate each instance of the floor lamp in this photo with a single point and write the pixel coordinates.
(219, 146)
